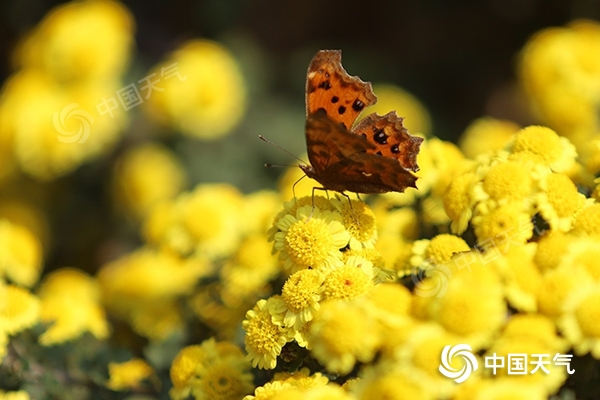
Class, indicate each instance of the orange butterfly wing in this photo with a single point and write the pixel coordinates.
(374, 157)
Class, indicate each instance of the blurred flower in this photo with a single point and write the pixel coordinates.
(556, 286)
(459, 201)
(342, 334)
(19, 310)
(550, 250)
(420, 355)
(29, 104)
(464, 296)
(310, 238)
(486, 134)
(21, 210)
(264, 339)
(513, 340)
(560, 71)
(587, 220)
(210, 370)
(508, 223)
(520, 277)
(68, 46)
(302, 378)
(20, 254)
(129, 374)
(557, 152)
(19, 395)
(203, 92)
(148, 274)
(145, 176)
(379, 383)
(70, 304)
(68, 69)
(391, 97)
(580, 323)
(205, 222)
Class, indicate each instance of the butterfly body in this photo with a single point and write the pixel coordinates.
(376, 156)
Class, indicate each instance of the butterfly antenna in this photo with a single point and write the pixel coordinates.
(264, 139)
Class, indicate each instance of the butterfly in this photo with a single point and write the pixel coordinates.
(375, 156)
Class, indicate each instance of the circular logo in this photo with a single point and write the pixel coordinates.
(464, 351)
(68, 131)
(436, 284)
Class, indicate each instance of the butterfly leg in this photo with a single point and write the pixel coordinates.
(313, 200)
(352, 208)
(294, 187)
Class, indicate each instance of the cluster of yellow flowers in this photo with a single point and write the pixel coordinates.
(272, 296)
(65, 69)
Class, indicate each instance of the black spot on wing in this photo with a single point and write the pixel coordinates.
(341, 110)
(358, 105)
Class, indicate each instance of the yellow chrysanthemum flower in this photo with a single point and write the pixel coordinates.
(486, 134)
(20, 254)
(24, 211)
(428, 253)
(531, 345)
(310, 238)
(391, 303)
(66, 43)
(264, 339)
(551, 249)
(155, 319)
(302, 378)
(211, 216)
(259, 209)
(535, 326)
(70, 303)
(505, 225)
(466, 298)
(505, 182)
(359, 220)
(249, 270)
(380, 272)
(342, 333)
(556, 151)
(271, 390)
(587, 220)
(584, 253)
(145, 176)
(299, 300)
(521, 278)
(420, 355)
(149, 274)
(459, 201)
(392, 385)
(559, 201)
(500, 389)
(580, 323)
(18, 395)
(129, 374)
(203, 92)
(556, 286)
(211, 370)
(353, 279)
(43, 127)
(19, 310)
